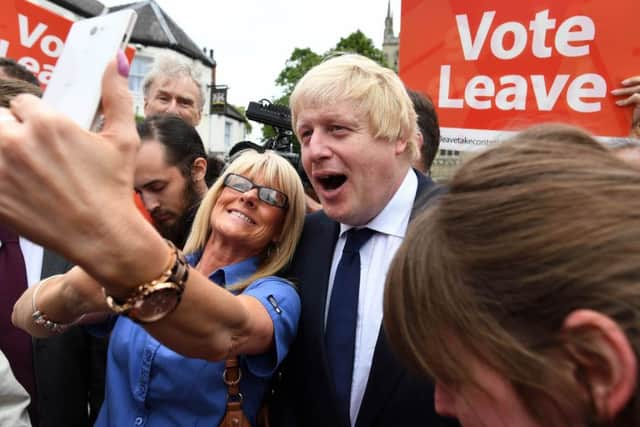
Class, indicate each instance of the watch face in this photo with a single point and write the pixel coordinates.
(160, 302)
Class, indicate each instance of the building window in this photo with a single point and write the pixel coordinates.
(139, 68)
(227, 135)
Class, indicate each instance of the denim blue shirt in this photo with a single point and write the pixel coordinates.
(148, 384)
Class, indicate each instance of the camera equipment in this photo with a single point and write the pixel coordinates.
(278, 117)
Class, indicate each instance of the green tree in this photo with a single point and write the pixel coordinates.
(302, 60)
(357, 42)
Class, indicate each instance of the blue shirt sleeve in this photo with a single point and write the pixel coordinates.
(281, 300)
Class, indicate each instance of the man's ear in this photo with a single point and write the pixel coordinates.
(198, 169)
(401, 146)
(420, 141)
(418, 163)
(605, 359)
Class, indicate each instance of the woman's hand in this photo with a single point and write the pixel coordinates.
(56, 178)
(71, 190)
(630, 95)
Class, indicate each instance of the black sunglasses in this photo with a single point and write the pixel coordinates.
(268, 195)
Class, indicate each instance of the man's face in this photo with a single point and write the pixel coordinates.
(165, 192)
(353, 174)
(174, 95)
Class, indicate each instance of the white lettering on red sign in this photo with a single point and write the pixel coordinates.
(571, 39)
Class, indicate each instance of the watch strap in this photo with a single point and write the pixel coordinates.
(176, 273)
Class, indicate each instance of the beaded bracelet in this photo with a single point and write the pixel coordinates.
(41, 319)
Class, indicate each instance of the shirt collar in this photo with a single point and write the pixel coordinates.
(393, 219)
(229, 274)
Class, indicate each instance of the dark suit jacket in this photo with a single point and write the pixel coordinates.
(69, 369)
(305, 394)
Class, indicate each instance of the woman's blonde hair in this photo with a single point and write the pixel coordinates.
(377, 93)
(529, 231)
(275, 172)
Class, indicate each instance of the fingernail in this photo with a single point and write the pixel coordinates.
(620, 102)
(614, 91)
(123, 64)
(624, 82)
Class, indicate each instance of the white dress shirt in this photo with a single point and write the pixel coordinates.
(32, 254)
(375, 257)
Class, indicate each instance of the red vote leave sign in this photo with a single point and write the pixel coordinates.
(34, 36)
(494, 66)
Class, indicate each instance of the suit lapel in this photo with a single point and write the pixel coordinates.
(317, 245)
(427, 192)
(384, 376)
(316, 250)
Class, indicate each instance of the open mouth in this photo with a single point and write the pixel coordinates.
(332, 182)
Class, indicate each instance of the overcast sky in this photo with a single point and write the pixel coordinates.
(252, 39)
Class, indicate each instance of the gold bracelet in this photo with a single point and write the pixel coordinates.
(41, 319)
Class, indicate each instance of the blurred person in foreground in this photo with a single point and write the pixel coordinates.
(74, 361)
(10, 88)
(519, 291)
(177, 322)
(14, 399)
(10, 69)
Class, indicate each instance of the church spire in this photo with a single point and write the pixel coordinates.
(388, 24)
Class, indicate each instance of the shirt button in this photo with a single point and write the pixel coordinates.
(139, 421)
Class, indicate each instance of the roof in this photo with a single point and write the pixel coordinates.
(84, 8)
(231, 111)
(155, 28)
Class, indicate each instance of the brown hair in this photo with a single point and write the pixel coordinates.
(530, 230)
(10, 88)
(428, 126)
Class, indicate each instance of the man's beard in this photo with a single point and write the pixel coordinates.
(179, 230)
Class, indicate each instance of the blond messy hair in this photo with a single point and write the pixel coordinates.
(376, 91)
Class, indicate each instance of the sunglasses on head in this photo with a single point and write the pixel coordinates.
(268, 195)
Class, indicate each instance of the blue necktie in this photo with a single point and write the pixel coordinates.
(340, 332)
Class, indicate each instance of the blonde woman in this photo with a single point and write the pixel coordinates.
(166, 358)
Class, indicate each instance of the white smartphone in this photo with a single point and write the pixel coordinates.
(76, 81)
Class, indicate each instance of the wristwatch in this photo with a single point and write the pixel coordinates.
(152, 301)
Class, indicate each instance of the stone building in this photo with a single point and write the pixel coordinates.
(154, 34)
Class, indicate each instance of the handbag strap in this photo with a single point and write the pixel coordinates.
(234, 416)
